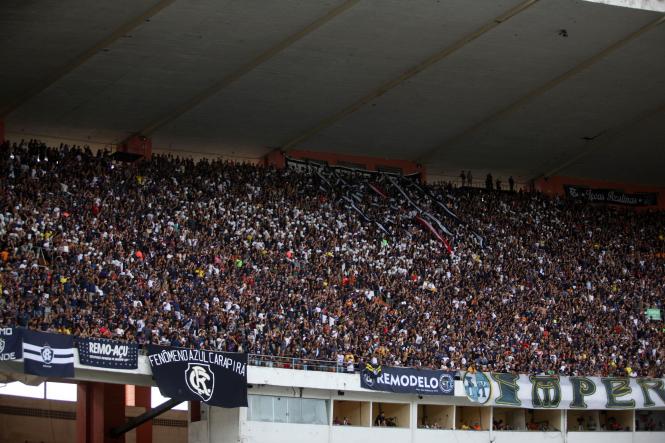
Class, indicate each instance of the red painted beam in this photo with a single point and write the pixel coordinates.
(100, 407)
(143, 399)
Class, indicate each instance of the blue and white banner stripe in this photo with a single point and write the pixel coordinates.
(47, 354)
(60, 356)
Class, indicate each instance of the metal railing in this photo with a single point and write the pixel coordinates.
(304, 364)
(308, 364)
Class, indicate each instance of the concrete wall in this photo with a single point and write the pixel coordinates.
(470, 415)
(527, 437)
(604, 437)
(262, 432)
(356, 411)
(52, 421)
(625, 419)
(649, 437)
(443, 415)
(34, 420)
(400, 411)
(513, 417)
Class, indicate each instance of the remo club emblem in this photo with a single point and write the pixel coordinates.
(200, 380)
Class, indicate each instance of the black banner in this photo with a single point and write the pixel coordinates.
(409, 381)
(315, 165)
(611, 196)
(10, 344)
(48, 355)
(215, 378)
(105, 353)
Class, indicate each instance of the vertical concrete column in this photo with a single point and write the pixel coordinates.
(100, 407)
(143, 399)
(194, 411)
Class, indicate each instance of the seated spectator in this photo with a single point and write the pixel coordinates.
(380, 420)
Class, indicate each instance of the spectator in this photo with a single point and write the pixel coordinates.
(238, 257)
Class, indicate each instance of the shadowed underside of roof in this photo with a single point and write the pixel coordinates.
(529, 88)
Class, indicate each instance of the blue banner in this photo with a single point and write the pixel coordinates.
(408, 380)
(48, 355)
(105, 353)
(10, 344)
(215, 378)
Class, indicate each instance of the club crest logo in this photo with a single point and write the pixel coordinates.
(477, 387)
(369, 378)
(47, 354)
(2, 345)
(200, 380)
(447, 383)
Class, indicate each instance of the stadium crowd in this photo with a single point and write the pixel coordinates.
(238, 257)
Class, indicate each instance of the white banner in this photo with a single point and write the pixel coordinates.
(555, 392)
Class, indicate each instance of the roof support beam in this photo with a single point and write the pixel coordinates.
(137, 421)
(246, 68)
(602, 141)
(427, 157)
(85, 56)
(414, 70)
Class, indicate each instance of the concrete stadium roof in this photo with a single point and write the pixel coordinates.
(529, 88)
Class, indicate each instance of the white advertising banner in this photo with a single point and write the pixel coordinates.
(555, 392)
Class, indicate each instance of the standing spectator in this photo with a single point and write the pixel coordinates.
(498, 184)
(469, 178)
(489, 183)
(350, 363)
(511, 183)
(238, 257)
(463, 177)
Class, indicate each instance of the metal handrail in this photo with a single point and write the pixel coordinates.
(305, 364)
(308, 364)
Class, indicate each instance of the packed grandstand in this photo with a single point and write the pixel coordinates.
(313, 263)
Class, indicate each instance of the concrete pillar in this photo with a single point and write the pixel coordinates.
(198, 430)
(194, 411)
(224, 425)
(99, 408)
(143, 399)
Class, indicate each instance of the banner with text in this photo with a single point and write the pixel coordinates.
(555, 392)
(611, 196)
(409, 381)
(215, 378)
(10, 344)
(105, 353)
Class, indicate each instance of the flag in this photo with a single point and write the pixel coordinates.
(10, 343)
(215, 378)
(48, 355)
